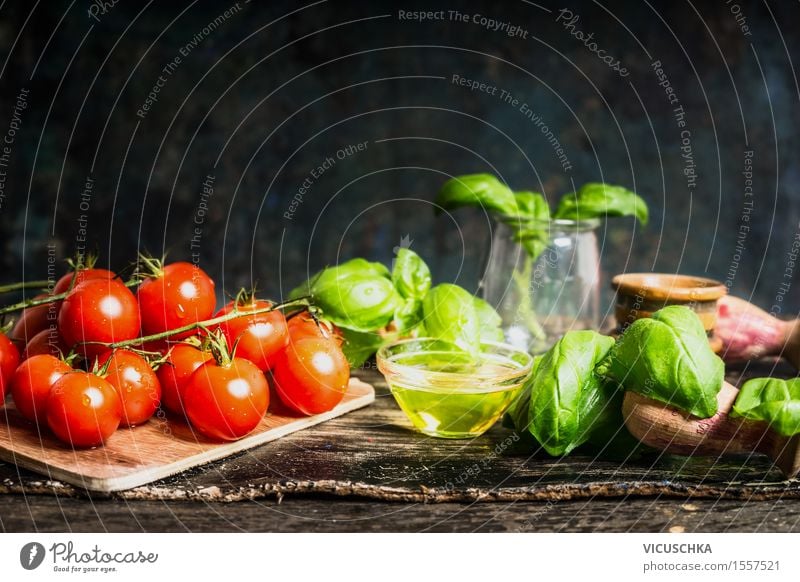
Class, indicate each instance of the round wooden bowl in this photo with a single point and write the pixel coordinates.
(641, 294)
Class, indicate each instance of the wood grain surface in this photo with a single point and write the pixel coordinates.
(373, 454)
(146, 453)
(316, 514)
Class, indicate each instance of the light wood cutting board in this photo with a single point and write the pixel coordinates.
(157, 449)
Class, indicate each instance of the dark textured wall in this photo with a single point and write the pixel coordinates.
(260, 99)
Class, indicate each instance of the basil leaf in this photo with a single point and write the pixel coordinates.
(771, 400)
(481, 190)
(489, 321)
(410, 275)
(530, 226)
(518, 414)
(408, 315)
(667, 358)
(358, 346)
(357, 294)
(567, 397)
(449, 315)
(595, 199)
(532, 206)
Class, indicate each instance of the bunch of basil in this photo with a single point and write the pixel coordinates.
(574, 395)
(528, 216)
(372, 305)
(771, 400)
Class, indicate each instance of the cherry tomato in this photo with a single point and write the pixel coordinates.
(182, 294)
(183, 360)
(311, 375)
(65, 283)
(136, 383)
(257, 338)
(84, 409)
(303, 325)
(31, 384)
(98, 310)
(33, 320)
(47, 341)
(226, 402)
(9, 360)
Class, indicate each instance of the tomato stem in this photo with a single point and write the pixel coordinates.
(24, 285)
(300, 301)
(150, 267)
(49, 299)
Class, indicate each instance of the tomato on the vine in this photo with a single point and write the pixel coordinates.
(303, 325)
(31, 384)
(176, 295)
(258, 337)
(9, 360)
(47, 341)
(33, 320)
(225, 402)
(136, 383)
(182, 361)
(311, 375)
(84, 409)
(98, 310)
(74, 278)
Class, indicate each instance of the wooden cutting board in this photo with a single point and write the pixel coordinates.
(157, 449)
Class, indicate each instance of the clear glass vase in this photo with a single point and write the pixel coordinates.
(540, 300)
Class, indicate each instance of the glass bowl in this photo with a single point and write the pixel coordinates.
(449, 393)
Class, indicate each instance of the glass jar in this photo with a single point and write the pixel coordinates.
(541, 299)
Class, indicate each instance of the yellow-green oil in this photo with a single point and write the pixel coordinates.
(456, 411)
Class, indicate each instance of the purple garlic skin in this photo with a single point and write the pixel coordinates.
(748, 332)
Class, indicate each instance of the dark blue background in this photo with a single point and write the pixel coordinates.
(277, 88)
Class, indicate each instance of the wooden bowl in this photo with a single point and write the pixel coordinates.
(641, 294)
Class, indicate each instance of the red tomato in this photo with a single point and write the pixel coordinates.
(47, 341)
(31, 384)
(136, 383)
(180, 295)
(303, 325)
(226, 402)
(257, 338)
(33, 320)
(65, 283)
(183, 360)
(84, 409)
(311, 375)
(9, 360)
(100, 310)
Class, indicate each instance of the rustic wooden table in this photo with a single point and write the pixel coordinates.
(367, 471)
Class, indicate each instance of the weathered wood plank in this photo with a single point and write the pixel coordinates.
(50, 514)
(373, 454)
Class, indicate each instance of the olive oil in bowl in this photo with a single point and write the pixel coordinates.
(449, 393)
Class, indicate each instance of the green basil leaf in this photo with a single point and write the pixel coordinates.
(594, 200)
(358, 346)
(667, 358)
(532, 206)
(357, 294)
(489, 321)
(609, 436)
(567, 397)
(449, 315)
(408, 315)
(481, 190)
(410, 275)
(771, 400)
